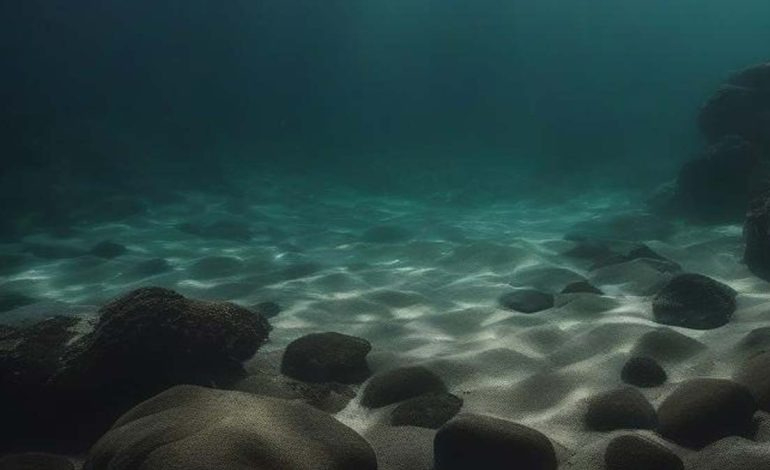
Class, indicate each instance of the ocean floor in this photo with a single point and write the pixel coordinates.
(422, 283)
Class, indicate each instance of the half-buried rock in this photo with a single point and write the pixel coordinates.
(694, 301)
(526, 300)
(643, 372)
(755, 375)
(625, 408)
(702, 411)
(401, 384)
(196, 428)
(482, 442)
(632, 452)
(426, 411)
(327, 357)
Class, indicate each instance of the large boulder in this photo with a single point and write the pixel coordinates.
(702, 411)
(694, 301)
(327, 357)
(29, 357)
(477, 441)
(756, 235)
(197, 428)
(740, 107)
(755, 375)
(147, 341)
(717, 186)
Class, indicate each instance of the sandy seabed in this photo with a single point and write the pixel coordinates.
(421, 282)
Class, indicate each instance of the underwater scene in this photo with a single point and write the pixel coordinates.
(385, 234)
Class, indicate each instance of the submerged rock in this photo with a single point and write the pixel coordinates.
(694, 301)
(755, 375)
(148, 340)
(426, 411)
(327, 357)
(401, 384)
(631, 452)
(196, 428)
(527, 300)
(476, 441)
(625, 408)
(740, 107)
(702, 411)
(643, 372)
(756, 235)
(581, 287)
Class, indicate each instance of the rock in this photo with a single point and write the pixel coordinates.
(717, 186)
(581, 287)
(29, 357)
(643, 372)
(327, 357)
(756, 235)
(756, 341)
(402, 447)
(10, 300)
(196, 428)
(630, 452)
(35, 461)
(740, 107)
(385, 234)
(401, 384)
(625, 408)
(702, 411)
(755, 375)
(108, 250)
(426, 411)
(151, 339)
(694, 301)
(527, 301)
(666, 345)
(267, 309)
(732, 453)
(476, 441)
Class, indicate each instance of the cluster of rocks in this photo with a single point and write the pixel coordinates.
(718, 185)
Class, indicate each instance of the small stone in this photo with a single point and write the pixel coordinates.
(694, 301)
(400, 384)
(327, 357)
(527, 300)
(643, 372)
(632, 452)
(426, 411)
(625, 408)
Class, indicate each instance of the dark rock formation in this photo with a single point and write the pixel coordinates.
(327, 357)
(625, 408)
(694, 301)
(483, 442)
(643, 372)
(740, 107)
(755, 375)
(196, 428)
(702, 411)
(401, 384)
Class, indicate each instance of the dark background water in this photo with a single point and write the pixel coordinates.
(130, 95)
